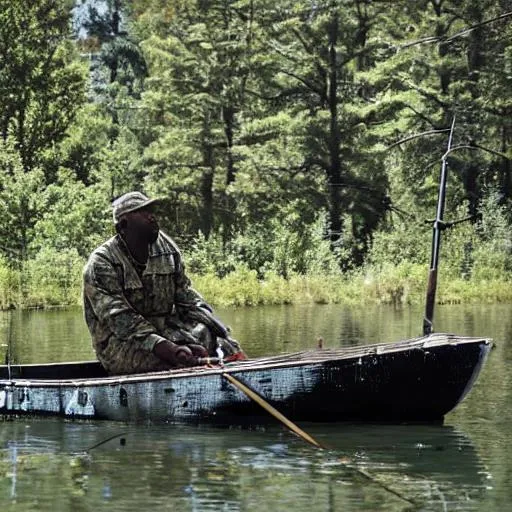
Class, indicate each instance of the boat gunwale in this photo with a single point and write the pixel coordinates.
(302, 358)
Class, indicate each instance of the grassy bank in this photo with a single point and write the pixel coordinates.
(38, 286)
(401, 285)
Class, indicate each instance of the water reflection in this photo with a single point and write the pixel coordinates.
(61, 335)
(205, 468)
(44, 464)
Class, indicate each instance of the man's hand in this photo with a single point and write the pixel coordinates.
(177, 355)
(198, 350)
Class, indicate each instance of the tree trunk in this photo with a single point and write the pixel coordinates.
(334, 170)
(505, 166)
(475, 62)
(206, 186)
(114, 24)
(441, 30)
(228, 116)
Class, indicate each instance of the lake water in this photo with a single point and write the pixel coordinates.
(52, 464)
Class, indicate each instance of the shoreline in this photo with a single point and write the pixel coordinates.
(242, 288)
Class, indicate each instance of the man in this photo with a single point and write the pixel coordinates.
(139, 307)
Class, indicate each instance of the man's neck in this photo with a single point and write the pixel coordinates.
(139, 251)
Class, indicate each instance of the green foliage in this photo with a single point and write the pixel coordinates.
(408, 241)
(53, 277)
(398, 284)
(75, 216)
(85, 151)
(41, 81)
(299, 249)
(10, 285)
(19, 202)
(242, 287)
(282, 247)
(207, 256)
(289, 139)
(492, 255)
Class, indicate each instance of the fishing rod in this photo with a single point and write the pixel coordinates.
(438, 226)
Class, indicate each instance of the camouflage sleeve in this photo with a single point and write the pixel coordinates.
(105, 295)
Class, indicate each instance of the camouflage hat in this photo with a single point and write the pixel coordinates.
(129, 202)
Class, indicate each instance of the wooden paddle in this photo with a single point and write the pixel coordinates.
(272, 410)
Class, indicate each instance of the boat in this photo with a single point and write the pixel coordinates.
(415, 380)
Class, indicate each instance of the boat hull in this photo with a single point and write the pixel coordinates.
(416, 380)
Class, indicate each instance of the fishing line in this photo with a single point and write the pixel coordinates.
(384, 486)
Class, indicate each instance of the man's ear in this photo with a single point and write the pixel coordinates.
(121, 224)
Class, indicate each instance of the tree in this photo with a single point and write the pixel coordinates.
(73, 216)
(316, 50)
(457, 73)
(19, 203)
(195, 96)
(118, 70)
(41, 82)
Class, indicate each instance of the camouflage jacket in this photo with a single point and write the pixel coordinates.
(134, 307)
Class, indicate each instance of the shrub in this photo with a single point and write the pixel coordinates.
(10, 285)
(53, 278)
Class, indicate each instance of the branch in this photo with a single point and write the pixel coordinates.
(476, 146)
(417, 135)
(9, 250)
(422, 116)
(444, 39)
(493, 152)
(274, 47)
(304, 43)
(308, 84)
(478, 25)
(291, 171)
(285, 93)
(429, 95)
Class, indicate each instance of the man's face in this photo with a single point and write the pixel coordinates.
(143, 224)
